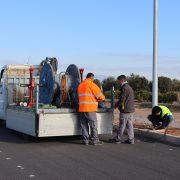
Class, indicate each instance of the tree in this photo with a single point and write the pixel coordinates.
(138, 83)
(175, 85)
(164, 84)
(108, 83)
(98, 83)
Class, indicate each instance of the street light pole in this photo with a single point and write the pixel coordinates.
(155, 56)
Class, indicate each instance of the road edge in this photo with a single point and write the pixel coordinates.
(170, 139)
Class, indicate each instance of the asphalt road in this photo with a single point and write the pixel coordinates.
(65, 158)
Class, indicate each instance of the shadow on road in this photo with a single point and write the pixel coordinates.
(156, 141)
(11, 136)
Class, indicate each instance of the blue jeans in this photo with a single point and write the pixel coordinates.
(167, 120)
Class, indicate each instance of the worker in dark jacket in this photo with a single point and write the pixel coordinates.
(125, 105)
(161, 117)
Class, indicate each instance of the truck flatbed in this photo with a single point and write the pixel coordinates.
(52, 122)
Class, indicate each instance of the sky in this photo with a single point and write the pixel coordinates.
(106, 37)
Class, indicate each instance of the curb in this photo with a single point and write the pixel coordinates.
(170, 139)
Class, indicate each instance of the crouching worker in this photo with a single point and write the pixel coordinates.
(161, 117)
(89, 95)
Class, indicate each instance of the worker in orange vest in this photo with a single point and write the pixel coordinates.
(89, 94)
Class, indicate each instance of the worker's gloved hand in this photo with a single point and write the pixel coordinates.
(102, 105)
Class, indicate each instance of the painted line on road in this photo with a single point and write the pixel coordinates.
(31, 175)
(18, 166)
(8, 158)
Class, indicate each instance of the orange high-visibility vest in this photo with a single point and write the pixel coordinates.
(89, 94)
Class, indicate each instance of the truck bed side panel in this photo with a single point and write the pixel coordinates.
(21, 121)
(68, 124)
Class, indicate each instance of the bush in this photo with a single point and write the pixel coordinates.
(160, 97)
(138, 83)
(164, 84)
(143, 96)
(170, 97)
(107, 94)
(108, 83)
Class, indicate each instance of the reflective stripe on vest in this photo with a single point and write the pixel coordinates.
(85, 94)
(86, 102)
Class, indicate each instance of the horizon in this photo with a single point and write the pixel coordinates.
(106, 38)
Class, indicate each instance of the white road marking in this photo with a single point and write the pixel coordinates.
(170, 149)
(31, 175)
(19, 166)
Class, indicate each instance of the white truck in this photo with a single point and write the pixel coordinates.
(36, 121)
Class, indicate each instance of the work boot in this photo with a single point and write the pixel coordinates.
(98, 143)
(129, 141)
(115, 140)
(86, 143)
